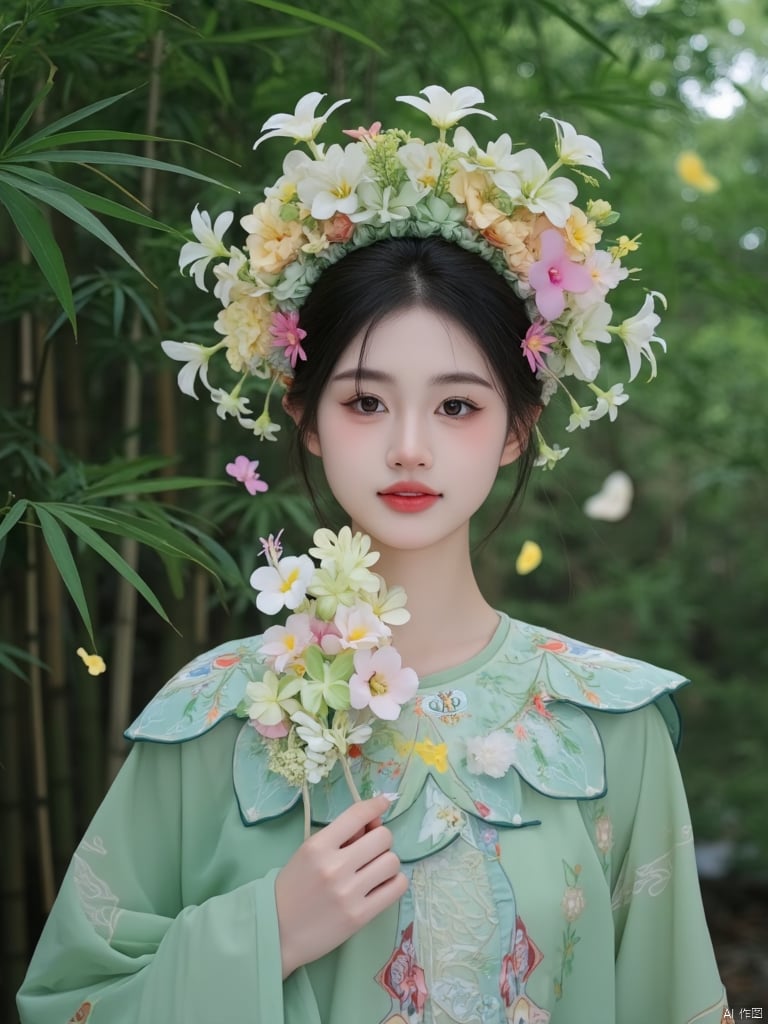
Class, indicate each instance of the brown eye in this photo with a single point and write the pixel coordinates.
(457, 407)
(366, 404)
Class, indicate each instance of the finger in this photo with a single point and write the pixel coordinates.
(368, 847)
(383, 895)
(354, 820)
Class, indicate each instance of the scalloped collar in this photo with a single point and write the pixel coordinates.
(540, 687)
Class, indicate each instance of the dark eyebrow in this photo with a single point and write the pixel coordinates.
(378, 376)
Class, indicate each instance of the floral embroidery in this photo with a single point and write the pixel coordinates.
(403, 978)
(572, 904)
(433, 754)
(516, 967)
(82, 1013)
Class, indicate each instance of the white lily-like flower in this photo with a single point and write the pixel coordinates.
(445, 109)
(195, 358)
(606, 271)
(263, 427)
(229, 285)
(422, 163)
(581, 417)
(548, 457)
(330, 185)
(303, 124)
(496, 157)
(282, 585)
(229, 403)
(197, 255)
(389, 603)
(637, 334)
(580, 356)
(295, 166)
(577, 150)
(608, 402)
(527, 182)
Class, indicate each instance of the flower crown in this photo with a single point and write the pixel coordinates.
(506, 205)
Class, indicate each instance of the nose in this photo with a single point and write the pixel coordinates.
(409, 446)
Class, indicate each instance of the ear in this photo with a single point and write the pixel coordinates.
(511, 450)
(295, 412)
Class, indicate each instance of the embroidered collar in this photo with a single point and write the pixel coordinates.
(540, 689)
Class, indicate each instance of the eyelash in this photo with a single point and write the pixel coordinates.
(354, 405)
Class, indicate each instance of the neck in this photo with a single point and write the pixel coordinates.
(450, 619)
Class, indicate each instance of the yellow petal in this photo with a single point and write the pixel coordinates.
(93, 662)
(529, 558)
(691, 171)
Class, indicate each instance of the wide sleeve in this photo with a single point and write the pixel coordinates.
(665, 965)
(131, 938)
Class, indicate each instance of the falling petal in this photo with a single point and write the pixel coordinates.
(691, 171)
(529, 558)
(614, 499)
(93, 662)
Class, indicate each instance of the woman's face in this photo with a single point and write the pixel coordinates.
(413, 453)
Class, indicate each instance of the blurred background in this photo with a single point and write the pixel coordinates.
(120, 532)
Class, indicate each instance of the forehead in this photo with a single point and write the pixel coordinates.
(415, 341)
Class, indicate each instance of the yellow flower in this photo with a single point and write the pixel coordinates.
(272, 241)
(691, 171)
(624, 246)
(433, 754)
(529, 558)
(582, 234)
(245, 326)
(93, 662)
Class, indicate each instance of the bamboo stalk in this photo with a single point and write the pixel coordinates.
(124, 647)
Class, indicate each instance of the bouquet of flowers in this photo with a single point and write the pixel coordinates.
(332, 667)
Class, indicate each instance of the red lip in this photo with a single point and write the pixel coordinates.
(407, 488)
(409, 496)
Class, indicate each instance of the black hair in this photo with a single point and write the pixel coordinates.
(369, 284)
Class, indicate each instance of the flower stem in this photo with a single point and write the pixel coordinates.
(350, 781)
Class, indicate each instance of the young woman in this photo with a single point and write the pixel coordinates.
(424, 300)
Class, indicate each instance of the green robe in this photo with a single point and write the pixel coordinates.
(563, 891)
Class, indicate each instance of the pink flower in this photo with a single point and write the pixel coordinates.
(287, 334)
(381, 683)
(243, 470)
(554, 274)
(363, 133)
(339, 228)
(536, 344)
(272, 732)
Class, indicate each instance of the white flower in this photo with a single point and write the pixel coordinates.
(228, 279)
(346, 553)
(492, 754)
(445, 109)
(330, 185)
(577, 150)
(609, 402)
(549, 457)
(389, 604)
(283, 585)
(284, 645)
(606, 273)
(614, 499)
(303, 124)
(195, 357)
(497, 156)
(229, 403)
(295, 167)
(263, 427)
(319, 746)
(637, 335)
(581, 417)
(422, 164)
(581, 357)
(573, 902)
(528, 184)
(208, 245)
(359, 629)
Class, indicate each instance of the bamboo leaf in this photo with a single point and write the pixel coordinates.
(76, 115)
(580, 29)
(319, 19)
(32, 227)
(65, 563)
(178, 483)
(9, 652)
(114, 558)
(60, 200)
(22, 122)
(85, 135)
(12, 517)
(88, 156)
